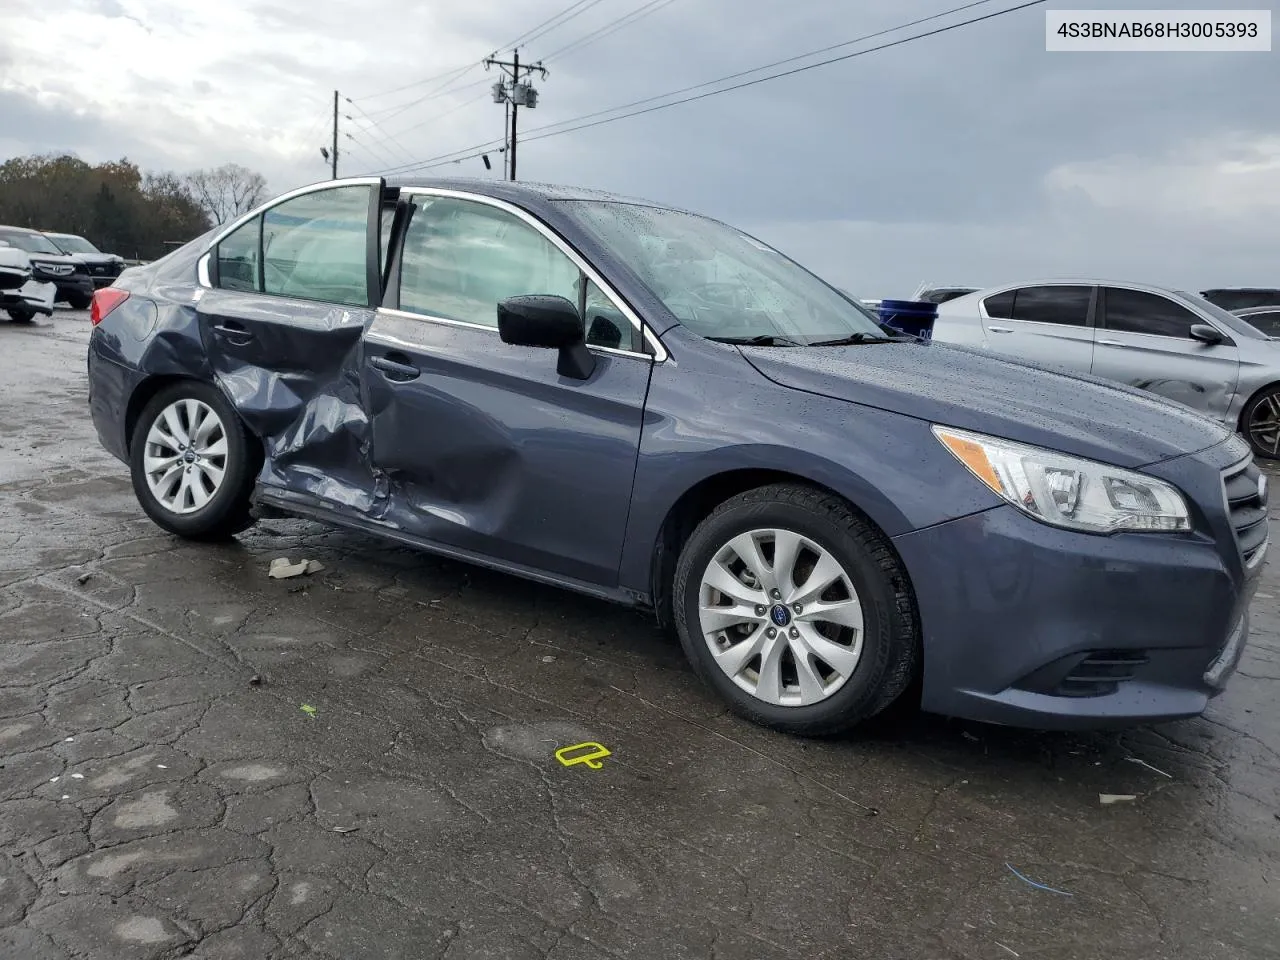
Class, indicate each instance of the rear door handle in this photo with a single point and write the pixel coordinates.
(396, 366)
(1111, 343)
(234, 330)
(1000, 329)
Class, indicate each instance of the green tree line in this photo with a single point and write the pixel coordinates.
(116, 206)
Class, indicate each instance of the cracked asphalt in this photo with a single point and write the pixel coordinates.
(156, 801)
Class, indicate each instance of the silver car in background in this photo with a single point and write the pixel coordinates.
(1168, 342)
(1265, 319)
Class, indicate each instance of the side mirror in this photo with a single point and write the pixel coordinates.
(551, 322)
(1206, 334)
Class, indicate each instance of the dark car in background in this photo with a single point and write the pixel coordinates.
(49, 264)
(1240, 298)
(103, 267)
(651, 407)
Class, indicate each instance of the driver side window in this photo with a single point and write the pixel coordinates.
(460, 258)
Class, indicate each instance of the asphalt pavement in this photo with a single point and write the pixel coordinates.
(197, 760)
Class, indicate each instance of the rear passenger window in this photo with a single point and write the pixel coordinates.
(315, 247)
(238, 258)
(1135, 311)
(1063, 305)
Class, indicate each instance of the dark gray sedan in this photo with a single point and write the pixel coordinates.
(654, 408)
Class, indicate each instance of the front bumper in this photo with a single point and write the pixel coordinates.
(1030, 625)
(77, 283)
(32, 296)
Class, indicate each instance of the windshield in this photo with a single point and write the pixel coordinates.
(1228, 320)
(721, 283)
(31, 242)
(74, 244)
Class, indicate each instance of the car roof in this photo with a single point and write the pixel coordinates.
(10, 229)
(1074, 282)
(521, 191)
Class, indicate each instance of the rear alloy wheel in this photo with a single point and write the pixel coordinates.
(1261, 421)
(794, 608)
(192, 465)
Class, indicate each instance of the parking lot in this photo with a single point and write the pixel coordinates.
(197, 760)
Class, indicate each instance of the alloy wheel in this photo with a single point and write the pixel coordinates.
(1264, 425)
(781, 617)
(186, 456)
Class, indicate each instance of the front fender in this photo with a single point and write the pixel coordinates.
(713, 414)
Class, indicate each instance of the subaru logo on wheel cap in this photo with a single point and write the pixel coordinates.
(780, 615)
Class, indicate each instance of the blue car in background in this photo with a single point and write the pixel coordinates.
(651, 407)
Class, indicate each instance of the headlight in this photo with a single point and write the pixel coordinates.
(1067, 491)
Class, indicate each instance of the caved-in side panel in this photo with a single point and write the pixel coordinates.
(291, 368)
(487, 448)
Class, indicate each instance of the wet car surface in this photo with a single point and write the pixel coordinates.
(155, 801)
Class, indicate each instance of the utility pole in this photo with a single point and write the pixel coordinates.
(334, 158)
(516, 94)
(331, 153)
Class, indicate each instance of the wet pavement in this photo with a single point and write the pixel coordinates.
(196, 760)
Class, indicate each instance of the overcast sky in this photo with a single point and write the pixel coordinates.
(970, 157)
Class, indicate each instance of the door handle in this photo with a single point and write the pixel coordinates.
(1110, 343)
(231, 328)
(395, 366)
(1000, 329)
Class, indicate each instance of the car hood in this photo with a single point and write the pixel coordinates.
(1018, 401)
(99, 258)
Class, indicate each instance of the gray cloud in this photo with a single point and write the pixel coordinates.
(973, 153)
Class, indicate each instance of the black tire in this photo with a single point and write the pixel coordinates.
(228, 510)
(1263, 407)
(891, 640)
(18, 315)
(79, 301)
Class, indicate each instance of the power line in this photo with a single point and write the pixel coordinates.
(543, 28)
(366, 148)
(776, 63)
(548, 132)
(653, 6)
(546, 26)
(448, 74)
(743, 73)
(433, 95)
(380, 132)
(454, 109)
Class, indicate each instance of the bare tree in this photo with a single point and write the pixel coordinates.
(227, 191)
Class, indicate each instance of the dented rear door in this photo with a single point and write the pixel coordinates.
(291, 292)
(483, 446)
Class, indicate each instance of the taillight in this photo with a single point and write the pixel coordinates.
(104, 301)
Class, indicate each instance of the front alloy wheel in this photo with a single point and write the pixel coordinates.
(780, 617)
(795, 608)
(1262, 424)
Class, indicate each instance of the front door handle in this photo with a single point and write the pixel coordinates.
(396, 366)
(1000, 329)
(1110, 343)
